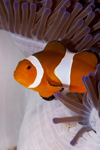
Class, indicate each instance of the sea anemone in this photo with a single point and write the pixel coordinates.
(80, 119)
(88, 110)
(33, 23)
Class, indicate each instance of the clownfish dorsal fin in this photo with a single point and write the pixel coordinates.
(55, 46)
(91, 58)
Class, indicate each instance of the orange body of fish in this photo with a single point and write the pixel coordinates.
(55, 67)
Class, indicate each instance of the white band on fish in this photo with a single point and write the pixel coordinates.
(39, 70)
(63, 70)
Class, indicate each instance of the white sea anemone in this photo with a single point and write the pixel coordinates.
(88, 110)
(32, 24)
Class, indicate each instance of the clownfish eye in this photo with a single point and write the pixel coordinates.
(28, 67)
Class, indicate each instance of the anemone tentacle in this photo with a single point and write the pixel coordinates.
(26, 18)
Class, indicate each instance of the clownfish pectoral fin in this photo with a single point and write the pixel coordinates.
(62, 87)
(55, 46)
(89, 57)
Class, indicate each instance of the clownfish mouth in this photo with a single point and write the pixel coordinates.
(17, 74)
(19, 77)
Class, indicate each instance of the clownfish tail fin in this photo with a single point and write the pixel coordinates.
(96, 54)
(89, 57)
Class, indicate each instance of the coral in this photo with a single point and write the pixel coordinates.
(87, 108)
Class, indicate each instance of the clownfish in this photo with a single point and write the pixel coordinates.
(48, 71)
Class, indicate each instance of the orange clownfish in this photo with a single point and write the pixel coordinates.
(55, 67)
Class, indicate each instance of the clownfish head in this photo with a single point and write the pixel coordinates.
(25, 73)
(29, 72)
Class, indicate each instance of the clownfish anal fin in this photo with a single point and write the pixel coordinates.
(55, 46)
(49, 98)
(49, 95)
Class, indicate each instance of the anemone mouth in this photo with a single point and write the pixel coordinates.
(75, 23)
(95, 120)
(87, 109)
